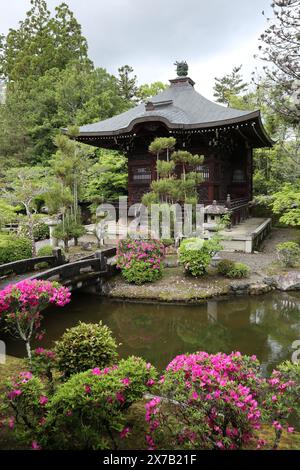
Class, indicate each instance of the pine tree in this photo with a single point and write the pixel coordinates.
(229, 85)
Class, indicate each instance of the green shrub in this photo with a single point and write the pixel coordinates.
(88, 411)
(195, 254)
(238, 271)
(41, 230)
(45, 251)
(13, 248)
(224, 266)
(288, 253)
(85, 346)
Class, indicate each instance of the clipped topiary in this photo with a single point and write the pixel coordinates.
(224, 266)
(196, 254)
(85, 346)
(13, 248)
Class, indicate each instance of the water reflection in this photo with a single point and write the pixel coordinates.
(265, 326)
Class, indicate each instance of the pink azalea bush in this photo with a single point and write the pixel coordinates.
(140, 260)
(212, 402)
(21, 305)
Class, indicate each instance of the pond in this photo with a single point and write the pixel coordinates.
(264, 325)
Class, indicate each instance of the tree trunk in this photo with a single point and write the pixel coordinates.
(28, 350)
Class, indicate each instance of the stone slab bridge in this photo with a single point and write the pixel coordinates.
(89, 273)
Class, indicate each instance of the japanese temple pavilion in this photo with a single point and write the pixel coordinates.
(225, 136)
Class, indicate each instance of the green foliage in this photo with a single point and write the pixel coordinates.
(106, 179)
(127, 84)
(238, 271)
(286, 202)
(42, 42)
(85, 346)
(140, 272)
(7, 213)
(229, 85)
(147, 91)
(13, 248)
(288, 253)
(40, 228)
(195, 254)
(224, 266)
(67, 229)
(46, 250)
(88, 411)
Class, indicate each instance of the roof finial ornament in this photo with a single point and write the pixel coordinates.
(181, 68)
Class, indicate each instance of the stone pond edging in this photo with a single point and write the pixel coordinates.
(283, 282)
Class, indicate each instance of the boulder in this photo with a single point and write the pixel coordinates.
(288, 281)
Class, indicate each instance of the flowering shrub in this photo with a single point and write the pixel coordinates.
(209, 402)
(139, 260)
(21, 305)
(282, 398)
(288, 253)
(27, 398)
(195, 254)
(85, 346)
(43, 361)
(87, 411)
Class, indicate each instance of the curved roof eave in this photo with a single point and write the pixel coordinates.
(170, 125)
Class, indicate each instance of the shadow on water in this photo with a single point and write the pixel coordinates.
(264, 325)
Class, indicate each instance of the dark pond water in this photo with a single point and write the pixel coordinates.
(263, 325)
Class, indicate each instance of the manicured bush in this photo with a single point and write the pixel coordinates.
(85, 346)
(46, 250)
(224, 266)
(196, 254)
(288, 253)
(139, 260)
(238, 271)
(87, 411)
(13, 248)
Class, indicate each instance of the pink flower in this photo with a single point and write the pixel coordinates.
(125, 381)
(120, 398)
(290, 429)
(124, 433)
(274, 398)
(43, 400)
(96, 371)
(35, 446)
(87, 389)
(11, 422)
(150, 382)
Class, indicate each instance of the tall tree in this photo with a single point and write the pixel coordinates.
(146, 91)
(229, 85)
(280, 49)
(127, 84)
(40, 43)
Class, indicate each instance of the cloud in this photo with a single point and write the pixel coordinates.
(213, 36)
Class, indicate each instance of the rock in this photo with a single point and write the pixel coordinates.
(259, 288)
(240, 289)
(288, 281)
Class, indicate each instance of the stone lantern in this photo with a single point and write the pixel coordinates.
(214, 213)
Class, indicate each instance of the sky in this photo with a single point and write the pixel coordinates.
(213, 36)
